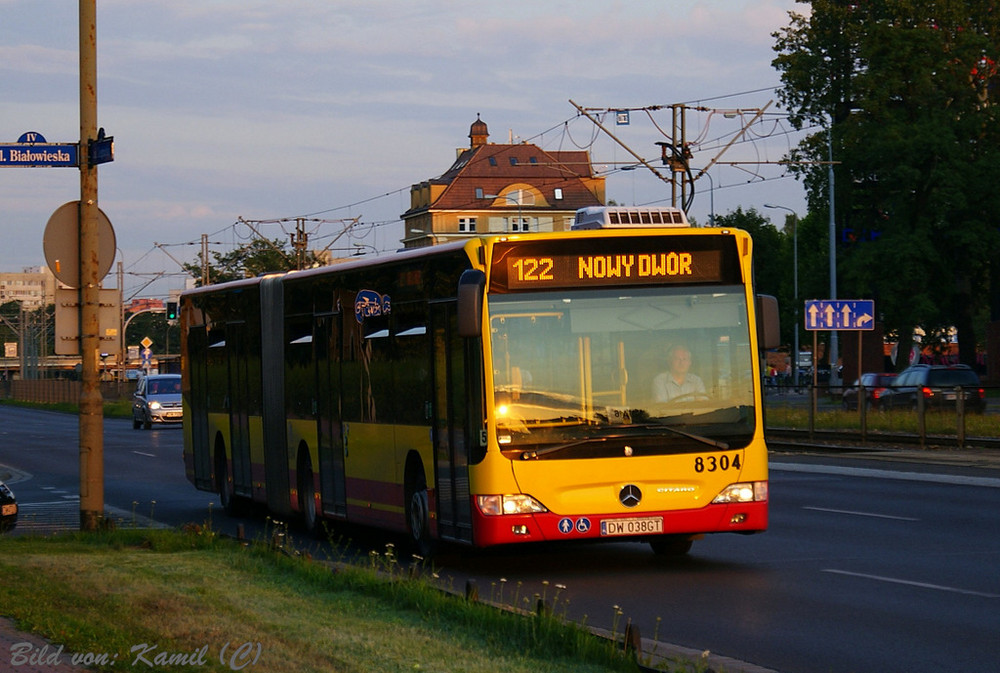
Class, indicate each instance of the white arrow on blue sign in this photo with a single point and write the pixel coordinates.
(840, 314)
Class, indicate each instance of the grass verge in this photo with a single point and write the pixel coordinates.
(112, 409)
(175, 600)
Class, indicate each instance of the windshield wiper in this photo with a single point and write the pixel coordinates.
(698, 438)
(528, 455)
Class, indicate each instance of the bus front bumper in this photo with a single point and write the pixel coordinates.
(749, 517)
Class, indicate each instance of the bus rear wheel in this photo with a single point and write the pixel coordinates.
(418, 515)
(307, 495)
(223, 484)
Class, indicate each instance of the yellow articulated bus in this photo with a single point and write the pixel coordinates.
(597, 384)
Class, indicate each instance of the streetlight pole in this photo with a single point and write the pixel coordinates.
(795, 287)
(834, 355)
(711, 197)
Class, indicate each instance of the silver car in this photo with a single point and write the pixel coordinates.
(157, 399)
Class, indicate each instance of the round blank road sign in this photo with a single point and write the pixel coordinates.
(61, 244)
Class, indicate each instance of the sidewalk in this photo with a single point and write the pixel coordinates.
(27, 653)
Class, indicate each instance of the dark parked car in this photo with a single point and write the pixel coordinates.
(938, 385)
(8, 508)
(157, 399)
(875, 385)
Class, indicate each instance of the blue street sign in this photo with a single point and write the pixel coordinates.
(840, 314)
(39, 154)
(101, 151)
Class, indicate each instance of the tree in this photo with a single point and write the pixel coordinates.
(772, 250)
(256, 257)
(904, 91)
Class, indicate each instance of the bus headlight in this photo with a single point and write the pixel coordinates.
(495, 505)
(746, 491)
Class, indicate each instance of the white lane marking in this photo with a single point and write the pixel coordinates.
(922, 585)
(143, 453)
(871, 514)
(988, 482)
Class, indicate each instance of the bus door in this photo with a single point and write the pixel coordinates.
(328, 415)
(239, 419)
(452, 434)
(196, 415)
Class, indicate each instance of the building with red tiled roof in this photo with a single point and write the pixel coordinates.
(501, 188)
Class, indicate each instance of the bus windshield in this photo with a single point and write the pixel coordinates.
(580, 366)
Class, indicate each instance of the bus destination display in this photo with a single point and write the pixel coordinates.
(572, 269)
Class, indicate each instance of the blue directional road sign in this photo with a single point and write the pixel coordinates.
(840, 314)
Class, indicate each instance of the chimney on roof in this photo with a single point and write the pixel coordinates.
(478, 132)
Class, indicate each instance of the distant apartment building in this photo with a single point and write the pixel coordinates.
(144, 304)
(34, 287)
(501, 188)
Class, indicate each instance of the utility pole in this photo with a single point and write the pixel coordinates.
(204, 260)
(91, 401)
(676, 153)
(300, 241)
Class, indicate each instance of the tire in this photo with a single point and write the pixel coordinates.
(224, 484)
(307, 494)
(148, 423)
(136, 423)
(671, 545)
(418, 513)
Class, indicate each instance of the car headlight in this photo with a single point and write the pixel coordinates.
(154, 405)
(496, 505)
(745, 491)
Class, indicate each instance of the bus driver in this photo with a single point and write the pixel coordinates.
(678, 381)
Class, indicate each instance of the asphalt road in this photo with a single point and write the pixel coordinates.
(869, 564)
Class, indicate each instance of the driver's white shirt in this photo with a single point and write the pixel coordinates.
(665, 388)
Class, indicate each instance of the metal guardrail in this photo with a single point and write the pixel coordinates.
(791, 437)
(947, 428)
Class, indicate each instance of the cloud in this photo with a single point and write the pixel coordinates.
(222, 108)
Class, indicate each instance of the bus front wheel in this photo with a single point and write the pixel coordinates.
(671, 545)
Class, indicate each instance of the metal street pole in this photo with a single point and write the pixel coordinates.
(91, 401)
(834, 355)
(795, 288)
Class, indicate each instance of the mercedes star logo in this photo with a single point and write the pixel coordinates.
(630, 495)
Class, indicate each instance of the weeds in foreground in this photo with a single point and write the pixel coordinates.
(533, 624)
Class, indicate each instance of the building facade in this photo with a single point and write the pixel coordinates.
(34, 287)
(501, 188)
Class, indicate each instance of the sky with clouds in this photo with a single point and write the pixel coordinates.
(331, 109)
